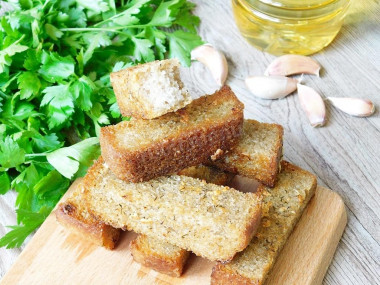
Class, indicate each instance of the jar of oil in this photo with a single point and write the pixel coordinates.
(289, 26)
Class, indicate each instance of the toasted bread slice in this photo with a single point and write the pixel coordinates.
(165, 257)
(208, 173)
(139, 150)
(282, 207)
(150, 90)
(212, 221)
(73, 215)
(257, 154)
(158, 255)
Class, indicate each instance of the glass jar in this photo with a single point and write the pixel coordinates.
(289, 26)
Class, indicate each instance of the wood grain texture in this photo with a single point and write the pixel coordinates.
(304, 259)
(345, 154)
(322, 227)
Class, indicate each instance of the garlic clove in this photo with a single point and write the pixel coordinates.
(293, 64)
(271, 87)
(313, 105)
(353, 106)
(214, 60)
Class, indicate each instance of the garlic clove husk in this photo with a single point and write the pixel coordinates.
(353, 106)
(214, 60)
(271, 87)
(313, 105)
(293, 64)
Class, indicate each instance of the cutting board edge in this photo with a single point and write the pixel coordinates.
(330, 252)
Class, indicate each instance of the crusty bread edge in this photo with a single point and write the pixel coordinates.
(267, 178)
(171, 267)
(99, 233)
(275, 161)
(221, 275)
(252, 223)
(252, 227)
(134, 109)
(88, 181)
(125, 165)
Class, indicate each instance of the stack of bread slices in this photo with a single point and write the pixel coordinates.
(168, 174)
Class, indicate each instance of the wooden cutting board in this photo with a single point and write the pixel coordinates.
(55, 256)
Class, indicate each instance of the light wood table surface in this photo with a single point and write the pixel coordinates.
(345, 154)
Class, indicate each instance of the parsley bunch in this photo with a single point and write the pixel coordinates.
(55, 93)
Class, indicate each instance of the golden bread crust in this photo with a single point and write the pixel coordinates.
(163, 257)
(75, 218)
(175, 199)
(191, 144)
(282, 207)
(224, 276)
(261, 164)
(170, 265)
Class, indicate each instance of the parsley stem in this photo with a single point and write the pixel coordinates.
(19, 40)
(14, 77)
(93, 29)
(35, 154)
(44, 6)
(118, 16)
(86, 29)
(110, 29)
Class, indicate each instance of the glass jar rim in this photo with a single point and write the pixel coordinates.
(296, 4)
(273, 9)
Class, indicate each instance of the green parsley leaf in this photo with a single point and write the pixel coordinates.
(32, 60)
(186, 19)
(95, 41)
(60, 104)
(46, 143)
(3, 131)
(35, 33)
(67, 160)
(82, 90)
(29, 84)
(5, 183)
(53, 32)
(55, 68)
(127, 17)
(77, 18)
(24, 110)
(121, 65)
(11, 154)
(166, 13)
(29, 177)
(142, 49)
(51, 183)
(18, 234)
(115, 111)
(26, 4)
(181, 43)
(7, 53)
(96, 6)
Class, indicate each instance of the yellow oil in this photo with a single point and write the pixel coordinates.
(282, 29)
